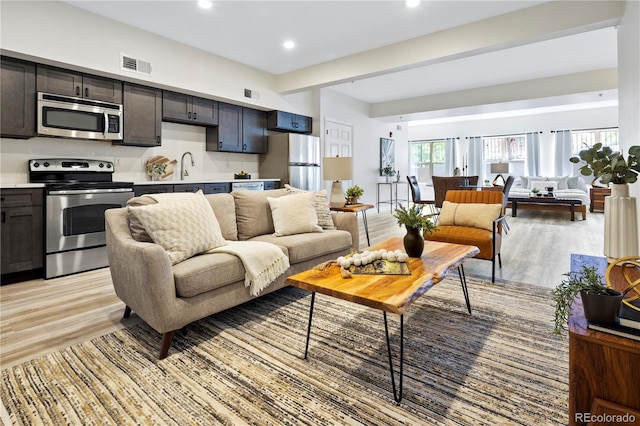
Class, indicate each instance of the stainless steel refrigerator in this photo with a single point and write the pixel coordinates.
(294, 159)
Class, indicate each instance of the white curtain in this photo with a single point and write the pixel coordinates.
(450, 152)
(475, 156)
(564, 167)
(532, 164)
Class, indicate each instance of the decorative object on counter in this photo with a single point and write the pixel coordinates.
(601, 303)
(159, 167)
(337, 169)
(242, 175)
(352, 194)
(414, 221)
(620, 210)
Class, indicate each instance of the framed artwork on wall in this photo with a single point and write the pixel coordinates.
(387, 155)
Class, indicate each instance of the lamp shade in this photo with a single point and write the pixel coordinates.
(337, 168)
(499, 167)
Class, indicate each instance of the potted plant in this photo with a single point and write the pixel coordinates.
(387, 171)
(353, 193)
(611, 167)
(535, 191)
(601, 303)
(414, 221)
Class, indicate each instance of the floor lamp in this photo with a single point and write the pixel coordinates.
(499, 168)
(337, 169)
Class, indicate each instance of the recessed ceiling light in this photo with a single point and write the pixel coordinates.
(205, 4)
(412, 3)
(289, 44)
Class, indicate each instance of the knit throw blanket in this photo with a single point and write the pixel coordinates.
(263, 262)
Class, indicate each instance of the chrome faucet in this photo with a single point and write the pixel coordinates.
(184, 172)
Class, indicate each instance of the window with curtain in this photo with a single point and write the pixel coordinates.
(427, 158)
(584, 139)
(504, 148)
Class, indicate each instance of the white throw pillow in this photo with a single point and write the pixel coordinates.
(562, 181)
(183, 228)
(540, 184)
(321, 205)
(294, 214)
(474, 215)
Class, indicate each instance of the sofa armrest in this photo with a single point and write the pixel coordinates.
(348, 222)
(141, 273)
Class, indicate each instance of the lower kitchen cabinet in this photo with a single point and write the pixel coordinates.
(271, 184)
(188, 187)
(217, 188)
(139, 190)
(22, 231)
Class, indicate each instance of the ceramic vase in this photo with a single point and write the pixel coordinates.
(413, 242)
(620, 223)
(601, 308)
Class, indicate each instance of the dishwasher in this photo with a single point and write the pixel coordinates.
(247, 186)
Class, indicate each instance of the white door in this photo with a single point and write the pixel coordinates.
(338, 141)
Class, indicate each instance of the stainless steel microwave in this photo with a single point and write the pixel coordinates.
(70, 117)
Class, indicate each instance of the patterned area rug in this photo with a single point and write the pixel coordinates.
(501, 365)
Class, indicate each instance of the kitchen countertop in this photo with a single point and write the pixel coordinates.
(21, 185)
(187, 182)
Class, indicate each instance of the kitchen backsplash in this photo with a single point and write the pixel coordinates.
(129, 161)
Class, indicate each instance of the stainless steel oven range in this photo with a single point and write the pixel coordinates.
(77, 192)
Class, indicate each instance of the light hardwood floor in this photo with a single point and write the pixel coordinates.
(40, 316)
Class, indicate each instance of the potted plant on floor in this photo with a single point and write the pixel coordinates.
(353, 193)
(414, 221)
(601, 303)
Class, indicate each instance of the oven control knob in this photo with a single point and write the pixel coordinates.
(36, 165)
(101, 165)
(46, 164)
(108, 165)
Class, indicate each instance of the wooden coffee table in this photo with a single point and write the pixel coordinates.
(389, 293)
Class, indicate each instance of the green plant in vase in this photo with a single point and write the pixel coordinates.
(414, 221)
(353, 193)
(611, 167)
(535, 191)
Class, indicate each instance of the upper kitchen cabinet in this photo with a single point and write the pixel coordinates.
(288, 122)
(181, 108)
(254, 131)
(69, 83)
(18, 94)
(227, 135)
(142, 120)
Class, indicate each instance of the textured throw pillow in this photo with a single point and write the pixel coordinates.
(474, 215)
(576, 182)
(562, 181)
(525, 180)
(183, 228)
(321, 205)
(540, 184)
(295, 214)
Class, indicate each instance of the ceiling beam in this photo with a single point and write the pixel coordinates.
(543, 22)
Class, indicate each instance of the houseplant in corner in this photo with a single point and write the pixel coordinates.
(414, 221)
(620, 210)
(601, 303)
(353, 193)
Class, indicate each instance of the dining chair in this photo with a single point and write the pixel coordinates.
(417, 198)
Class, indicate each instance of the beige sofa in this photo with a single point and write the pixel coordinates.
(168, 297)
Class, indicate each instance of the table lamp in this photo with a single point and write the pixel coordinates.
(499, 168)
(337, 169)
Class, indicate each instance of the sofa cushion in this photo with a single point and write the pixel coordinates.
(184, 227)
(200, 274)
(302, 247)
(224, 207)
(295, 214)
(321, 204)
(474, 215)
(576, 182)
(253, 213)
(138, 232)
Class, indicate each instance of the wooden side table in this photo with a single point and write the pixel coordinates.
(597, 198)
(355, 208)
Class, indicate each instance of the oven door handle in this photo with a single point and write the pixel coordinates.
(90, 191)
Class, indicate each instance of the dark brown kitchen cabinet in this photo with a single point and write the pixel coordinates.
(142, 116)
(188, 187)
(288, 122)
(139, 190)
(69, 83)
(22, 230)
(18, 95)
(217, 188)
(227, 135)
(254, 131)
(271, 184)
(181, 108)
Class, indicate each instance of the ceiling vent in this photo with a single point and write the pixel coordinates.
(133, 64)
(251, 94)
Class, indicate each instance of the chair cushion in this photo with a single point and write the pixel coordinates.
(302, 247)
(475, 215)
(295, 214)
(480, 238)
(253, 213)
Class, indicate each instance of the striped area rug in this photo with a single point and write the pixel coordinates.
(501, 365)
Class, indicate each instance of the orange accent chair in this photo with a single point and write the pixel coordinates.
(460, 228)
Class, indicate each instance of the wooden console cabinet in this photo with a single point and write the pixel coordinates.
(604, 373)
(597, 198)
